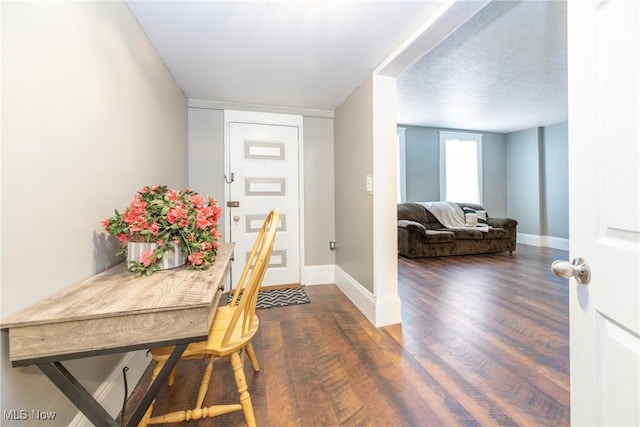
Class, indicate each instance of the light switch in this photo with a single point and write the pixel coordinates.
(369, 184)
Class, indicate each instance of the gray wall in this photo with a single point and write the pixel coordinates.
(555, 181)
(423, 167)
(206, 155)
(319, 200)
(353, 148)
(523, 176)
(538, 182)
(422, 164)
(494, 174)
(90, 114)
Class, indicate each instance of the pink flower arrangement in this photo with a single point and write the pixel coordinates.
(158, 214)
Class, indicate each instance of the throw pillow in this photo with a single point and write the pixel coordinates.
(471, 220)
(481, 216)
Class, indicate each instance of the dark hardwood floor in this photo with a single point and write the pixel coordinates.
(483, 341)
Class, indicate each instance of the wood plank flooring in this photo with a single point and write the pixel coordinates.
(483, 341)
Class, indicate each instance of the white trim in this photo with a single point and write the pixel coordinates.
(318, 274)
(221, 105)
(543, 241)
(380, 312)
(445, 135)
(529, 239)
(555, 242)
(447, 18)
(277, 119)
(385, 235)
(109, 393)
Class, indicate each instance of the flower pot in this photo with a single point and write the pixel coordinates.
(172, 259)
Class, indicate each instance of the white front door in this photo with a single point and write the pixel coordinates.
(263, 151)
(604, 141)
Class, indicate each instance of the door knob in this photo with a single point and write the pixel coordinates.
(236, 218)
(577, 268)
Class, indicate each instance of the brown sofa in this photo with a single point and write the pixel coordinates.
(420, 234)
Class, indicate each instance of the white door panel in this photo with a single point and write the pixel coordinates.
(604, 141)
(264, 161)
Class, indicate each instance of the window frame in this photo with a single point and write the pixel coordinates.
(444, 136)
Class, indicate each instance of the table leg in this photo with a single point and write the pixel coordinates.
(79, 396)
(154, 387)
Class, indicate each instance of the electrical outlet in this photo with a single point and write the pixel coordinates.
(369, 184)
(332, 246)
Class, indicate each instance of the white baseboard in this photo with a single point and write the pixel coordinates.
(109, 393)
(555, 242)
(543, 241)
(318, 274)
(379, 311)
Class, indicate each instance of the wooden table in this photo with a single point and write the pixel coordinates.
(115, 312)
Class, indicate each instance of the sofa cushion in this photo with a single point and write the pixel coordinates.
(464, 234)
(435, 236)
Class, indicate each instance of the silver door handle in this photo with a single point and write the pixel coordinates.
(577, 268)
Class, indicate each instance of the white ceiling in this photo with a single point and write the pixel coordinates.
(304, 54)
(504, 70)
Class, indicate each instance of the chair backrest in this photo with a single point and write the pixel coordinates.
(249, 283)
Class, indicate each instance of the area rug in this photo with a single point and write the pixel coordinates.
(280, 297)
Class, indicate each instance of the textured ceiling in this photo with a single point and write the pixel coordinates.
(504, 70)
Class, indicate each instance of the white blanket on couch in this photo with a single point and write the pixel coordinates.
(450, 215)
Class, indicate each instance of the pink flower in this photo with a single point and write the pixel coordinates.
(129, 217)
(195, 258)
(205, 246)
(106, 223)
(173, 195)
(138, 206)
(154, 228)
(202, 222)
(197, 200)
(146, 258)
(123, 238)
(177, 213)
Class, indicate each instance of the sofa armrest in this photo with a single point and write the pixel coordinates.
(412, 226)
(505, 223)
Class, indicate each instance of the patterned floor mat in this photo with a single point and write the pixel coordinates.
(281, 297)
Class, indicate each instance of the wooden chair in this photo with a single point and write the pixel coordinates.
(232, 329)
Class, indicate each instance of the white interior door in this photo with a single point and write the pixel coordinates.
(264, 161)
(604, 140)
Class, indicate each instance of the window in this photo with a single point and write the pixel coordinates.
(402, 174)
(461, 167)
